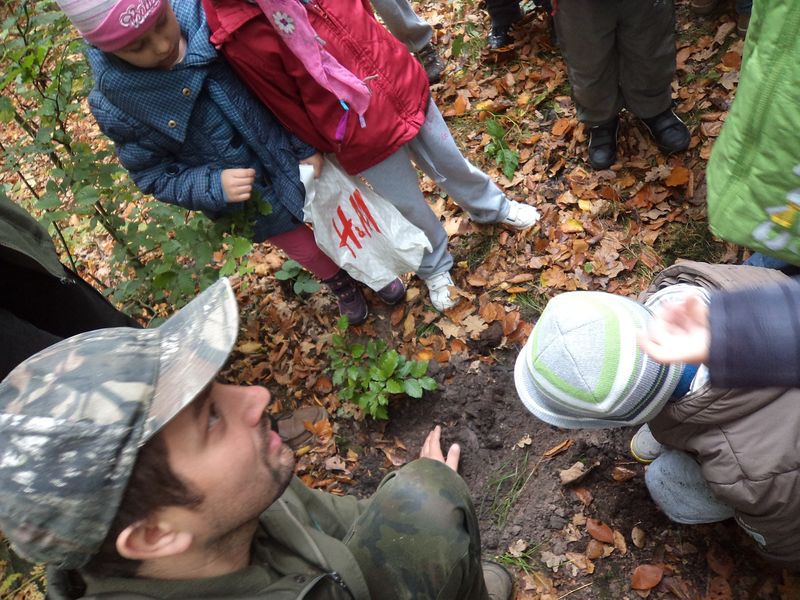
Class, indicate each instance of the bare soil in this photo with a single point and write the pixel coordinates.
(519, 496)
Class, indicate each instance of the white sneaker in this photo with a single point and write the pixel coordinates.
(439, 291)
(644, 447)
(521, 216)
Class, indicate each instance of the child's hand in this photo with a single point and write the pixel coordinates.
(678, 333)
(316, 161)
(238, 184)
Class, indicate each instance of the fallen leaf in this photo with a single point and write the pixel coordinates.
(711, 129)
(580, 561)
(558, 448)
(335, 463)
(562, 126)
(584, 495)
(619, 542)
(622, 473)
(476, 280)
(639, 537)
(323, 385)
(249, 347)
(460, 105)
(408, 326)
(599, 531)
(646, 577)
(572, 226)
(723, 31)
(450, 329)
(679, 176)
(517, 548)
(525, 440)
(474, 325)
(424, 354)
(594, 550)
(552, 561)
(573, 474)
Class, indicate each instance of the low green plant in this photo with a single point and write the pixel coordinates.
(19, 579)
(369, 374)
(303, 281)
(504, 488)
(524, 561)
(469, 43)
(505, 158)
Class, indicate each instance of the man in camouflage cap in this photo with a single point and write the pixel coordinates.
(133, 474)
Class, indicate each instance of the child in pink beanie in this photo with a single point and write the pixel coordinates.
(191, 134)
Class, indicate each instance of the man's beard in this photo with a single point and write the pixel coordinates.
(281, 473)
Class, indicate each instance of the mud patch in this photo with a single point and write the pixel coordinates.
(519, 496)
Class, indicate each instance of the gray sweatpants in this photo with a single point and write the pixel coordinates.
(435, 153)
(676, 483)
(404, 24)
(619, 53)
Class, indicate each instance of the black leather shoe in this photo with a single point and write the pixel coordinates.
(603, 144)
(500, 36)
(669, 132)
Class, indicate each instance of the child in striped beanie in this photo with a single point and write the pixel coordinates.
(582, 368)
(729, 433)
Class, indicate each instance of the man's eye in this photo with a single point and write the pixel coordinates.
(213, 417)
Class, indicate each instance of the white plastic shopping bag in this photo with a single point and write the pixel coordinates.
(361, 231)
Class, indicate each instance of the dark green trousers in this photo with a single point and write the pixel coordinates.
(419, 537)
(619, 54)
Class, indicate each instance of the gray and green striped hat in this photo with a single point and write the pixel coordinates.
(73, 417)
(582, 366)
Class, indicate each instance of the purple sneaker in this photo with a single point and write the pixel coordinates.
(348, 294)
(392, 293)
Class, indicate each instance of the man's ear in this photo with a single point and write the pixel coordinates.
(152, 538)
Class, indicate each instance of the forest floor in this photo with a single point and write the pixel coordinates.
(611, 230)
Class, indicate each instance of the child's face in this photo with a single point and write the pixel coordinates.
(159, 47)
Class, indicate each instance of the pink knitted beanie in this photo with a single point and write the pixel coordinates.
(112, 24)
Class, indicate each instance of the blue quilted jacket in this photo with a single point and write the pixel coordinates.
(176, 130)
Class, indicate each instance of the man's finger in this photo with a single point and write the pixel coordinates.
(453, 456)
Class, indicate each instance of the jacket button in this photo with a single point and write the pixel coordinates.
(172, 124)
(186, 91)
(300, 578)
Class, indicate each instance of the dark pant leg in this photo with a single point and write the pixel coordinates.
(503, 12)
(20, 340)
(646, 43)
(586, 31)
(37, 310)
(744, 7)
(419, 537)
(61, 307)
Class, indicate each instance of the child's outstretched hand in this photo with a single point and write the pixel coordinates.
(679, 332)
(238, 184)
(316, 161)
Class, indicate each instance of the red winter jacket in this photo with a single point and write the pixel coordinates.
(352, 35)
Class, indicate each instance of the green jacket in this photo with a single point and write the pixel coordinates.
(298, 554)
(754, 171)
(25, 242)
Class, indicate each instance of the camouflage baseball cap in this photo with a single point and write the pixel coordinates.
(73, 417)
